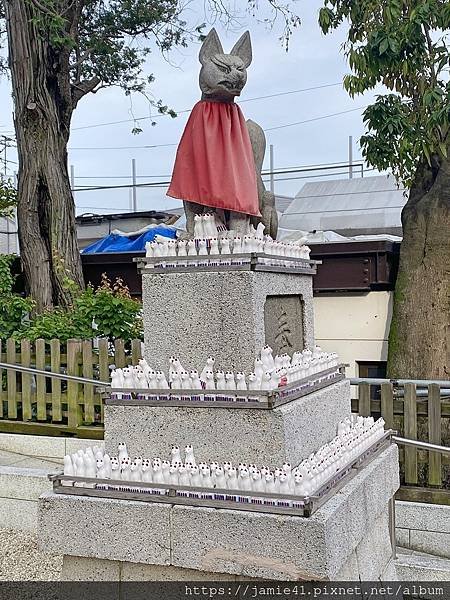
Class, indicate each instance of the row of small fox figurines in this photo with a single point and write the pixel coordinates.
(355, 436)
(269, 373)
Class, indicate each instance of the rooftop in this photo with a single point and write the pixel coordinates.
(358, 206)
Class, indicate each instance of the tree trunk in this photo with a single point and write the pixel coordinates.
(419, 345)
(43, 110)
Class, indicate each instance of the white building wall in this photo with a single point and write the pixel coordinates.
(8, 236)
(356, 326)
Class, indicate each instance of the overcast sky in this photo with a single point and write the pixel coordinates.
(312, 60)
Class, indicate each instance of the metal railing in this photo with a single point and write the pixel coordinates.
(420, 411)
(399, 382)
(417, 444)
(422, 445)
(63, 376)
(49, 387)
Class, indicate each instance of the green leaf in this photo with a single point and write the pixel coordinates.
(443, 149)
(387, 45)
(383, 46)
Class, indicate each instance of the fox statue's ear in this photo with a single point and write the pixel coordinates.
(210, 47)
(243, 49)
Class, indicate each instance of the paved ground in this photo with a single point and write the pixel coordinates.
(21, 560)
(13, 459)
(20, 557)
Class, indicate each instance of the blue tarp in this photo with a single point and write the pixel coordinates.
(121, 243)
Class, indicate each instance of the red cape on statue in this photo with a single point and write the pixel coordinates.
(214, 164)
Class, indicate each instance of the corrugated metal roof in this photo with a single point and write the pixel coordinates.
(348, 206)
(282, 203)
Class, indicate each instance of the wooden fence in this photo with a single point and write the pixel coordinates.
(419, 414)
(43, 405)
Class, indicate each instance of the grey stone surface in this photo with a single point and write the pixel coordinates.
(417, 566)
(33, 445)
(115, 530)
(226, 541)
(372, 560)
(283, 321)
(80, 568)
(431, 542)
(140, 572)
(287, 547)
(290, 432)
(265, 546)
(402, 537)
(20, 515)
(424, 527)
(374, 551)
(74, 444)
(349, 570)
(426, 517)
(23, 484)
(350, 512)
(390, 572)
(22, 560)
(9, 458)
(194, 315)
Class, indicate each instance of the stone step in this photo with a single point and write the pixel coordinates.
(335, 542)
(289, 432)
(419, 566)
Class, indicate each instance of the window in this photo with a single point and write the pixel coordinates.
(372, 369)
(375, 370)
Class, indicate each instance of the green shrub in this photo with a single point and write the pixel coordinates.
(115, 313)
(8, 196)
(14, 309)
(108, 311)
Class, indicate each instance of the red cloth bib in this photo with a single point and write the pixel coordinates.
(214, 165)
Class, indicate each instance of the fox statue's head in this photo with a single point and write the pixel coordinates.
(223, 76)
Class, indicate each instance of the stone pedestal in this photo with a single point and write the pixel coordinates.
(347, 538)
(228, 314)
(231, 315)
(287, 433)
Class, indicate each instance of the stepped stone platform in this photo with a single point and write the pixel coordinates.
(287, 433)
(347, 538)
(229, 314)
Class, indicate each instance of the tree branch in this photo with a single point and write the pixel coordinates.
(84, 87)
(44, 9)
(81, 59)
(430, 50)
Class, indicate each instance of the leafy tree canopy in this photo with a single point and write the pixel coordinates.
(402, 44)
(106, 42)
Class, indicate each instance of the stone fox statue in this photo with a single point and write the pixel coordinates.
(220, 156)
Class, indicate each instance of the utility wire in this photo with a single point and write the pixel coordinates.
(123, 147)
(315, 176)
(343, 112)
(160, 184)
(279, 171)
(287, 170)
(179, 112)
(128, 210)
